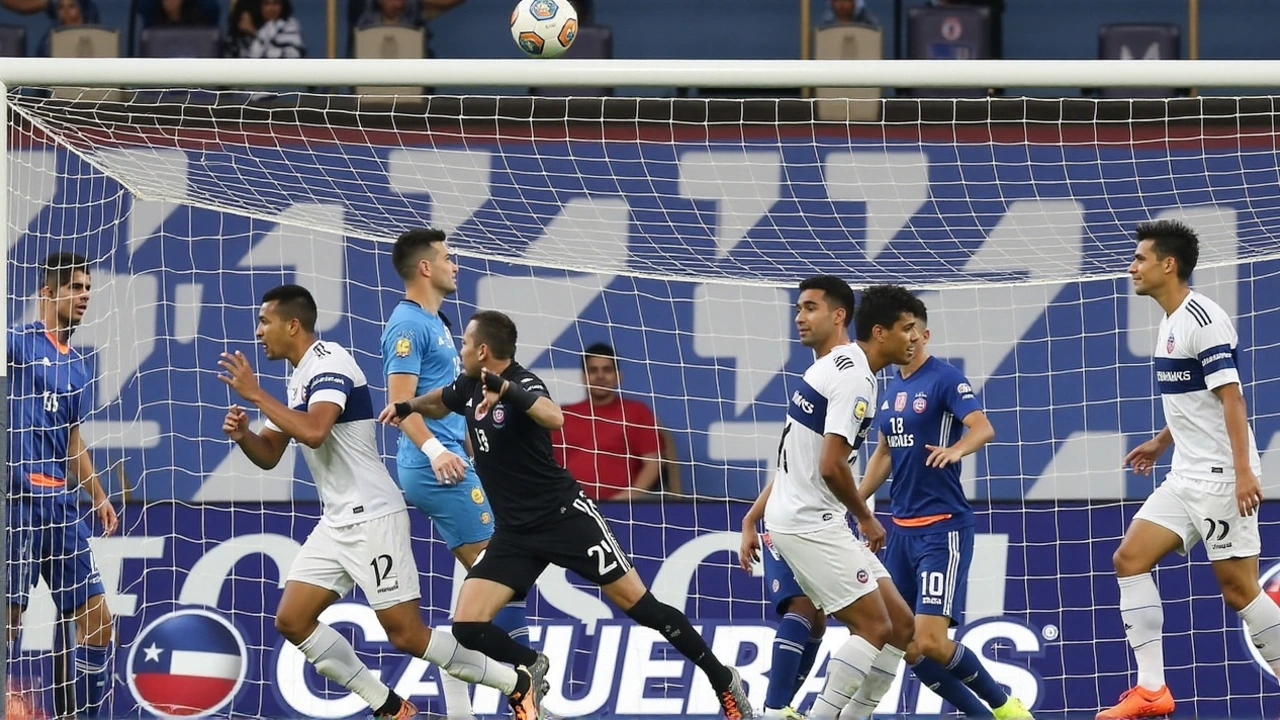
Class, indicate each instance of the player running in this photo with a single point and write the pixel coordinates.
(828, 416)
(929, 419)
(363, 534)
(543, 517)
(418, 355)
(1211, 492)
(48, 538)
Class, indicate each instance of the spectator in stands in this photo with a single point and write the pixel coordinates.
(850, 11)
(264, 29)
(66, 13)
(392, 12)
(88, 9)
(609, 443)
(178, 13)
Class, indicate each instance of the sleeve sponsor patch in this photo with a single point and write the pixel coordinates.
(964, 390)
(859, 408)
(403, 346)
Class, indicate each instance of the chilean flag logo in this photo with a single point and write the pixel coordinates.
(188, 663)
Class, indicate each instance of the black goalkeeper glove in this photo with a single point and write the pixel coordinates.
(403, 410)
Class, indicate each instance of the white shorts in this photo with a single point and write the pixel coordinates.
(832, 566)
(375, 555)
(1198, 511)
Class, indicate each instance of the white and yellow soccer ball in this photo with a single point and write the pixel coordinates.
(544, 28)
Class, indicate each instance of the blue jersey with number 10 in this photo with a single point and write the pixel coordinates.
(47, 382)
(927, 408)
(417, 342)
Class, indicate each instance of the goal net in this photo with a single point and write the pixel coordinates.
(675, 231)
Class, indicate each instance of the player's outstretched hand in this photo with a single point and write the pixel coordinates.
(1143, 458)
(239, 374)
(940, 457)
(236, 423)
(1248, 492)
(393, 413)
(749, 551)
(873, 532)
(107, 516)
(494, 386)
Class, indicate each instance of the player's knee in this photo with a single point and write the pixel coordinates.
(901, 630)
(1128, 562)
(818, 625)
(471, 635)
(875, 629)
(932, 645)
(1238, 592)
(407, 640)
(804, 607)
(293, 629)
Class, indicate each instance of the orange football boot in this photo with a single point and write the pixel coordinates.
(1140, 703)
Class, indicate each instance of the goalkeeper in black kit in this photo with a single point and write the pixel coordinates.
(542, 517)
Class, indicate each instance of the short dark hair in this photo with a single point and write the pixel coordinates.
(407, 251)
(600, 349)
(1172, 237)
(61, 266)
(294, 301)
(836, 291)
(884, 305)
(498, 331)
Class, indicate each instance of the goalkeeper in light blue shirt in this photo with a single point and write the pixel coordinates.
(418, 355)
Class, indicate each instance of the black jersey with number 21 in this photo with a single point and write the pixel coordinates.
(514, 459)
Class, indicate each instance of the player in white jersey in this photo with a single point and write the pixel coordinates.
(363, 534)
(1212, 492)
(828, 416)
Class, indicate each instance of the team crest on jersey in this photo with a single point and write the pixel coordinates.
(1168, 345)
(499, 415)
(900, 402)
(485, 518)
(477, 496)
(403, 345)
(860, 408)
(777, 585)
(921, 403)
(863, 576)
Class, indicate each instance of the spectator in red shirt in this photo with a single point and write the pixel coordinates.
(609, 443)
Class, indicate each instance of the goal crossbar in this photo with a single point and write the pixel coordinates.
(640, 73)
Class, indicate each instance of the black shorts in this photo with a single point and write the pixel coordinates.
(581, 542)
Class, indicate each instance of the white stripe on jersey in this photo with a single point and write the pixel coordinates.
(837, 394)
(353, 483)
(1195, 353)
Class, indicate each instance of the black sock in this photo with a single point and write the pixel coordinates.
(675, 627)
(390, 707)
(493, 641)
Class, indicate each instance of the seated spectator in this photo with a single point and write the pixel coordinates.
(264, 29)
(850, 11)
(88, 9)
(179, 13)
(392, 12)
(609, 443)
(67, 13)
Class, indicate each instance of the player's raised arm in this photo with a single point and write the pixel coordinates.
(310, 426)
(430, 405)
(263, 449)
(528, 394)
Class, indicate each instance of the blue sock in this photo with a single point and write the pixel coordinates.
(936, 677)
(968, 667)
(91, 679)
(514, 618)
(806, 663)
(788, 654)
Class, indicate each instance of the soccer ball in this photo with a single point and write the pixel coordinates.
(544, 28)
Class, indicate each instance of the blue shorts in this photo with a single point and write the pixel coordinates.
(778, 578)
(460, 513)
(931, 570)
(47, 538)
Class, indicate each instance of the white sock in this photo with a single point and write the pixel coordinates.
(848, 667)
(1262, 618)
(335, 659)
(883, 671)
(469, 665)
(1143, 617)
(457, 696)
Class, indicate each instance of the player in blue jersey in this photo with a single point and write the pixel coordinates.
(418, 356)
(929, 419)
(48, 537)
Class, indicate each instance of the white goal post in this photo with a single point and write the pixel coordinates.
(677, 236)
